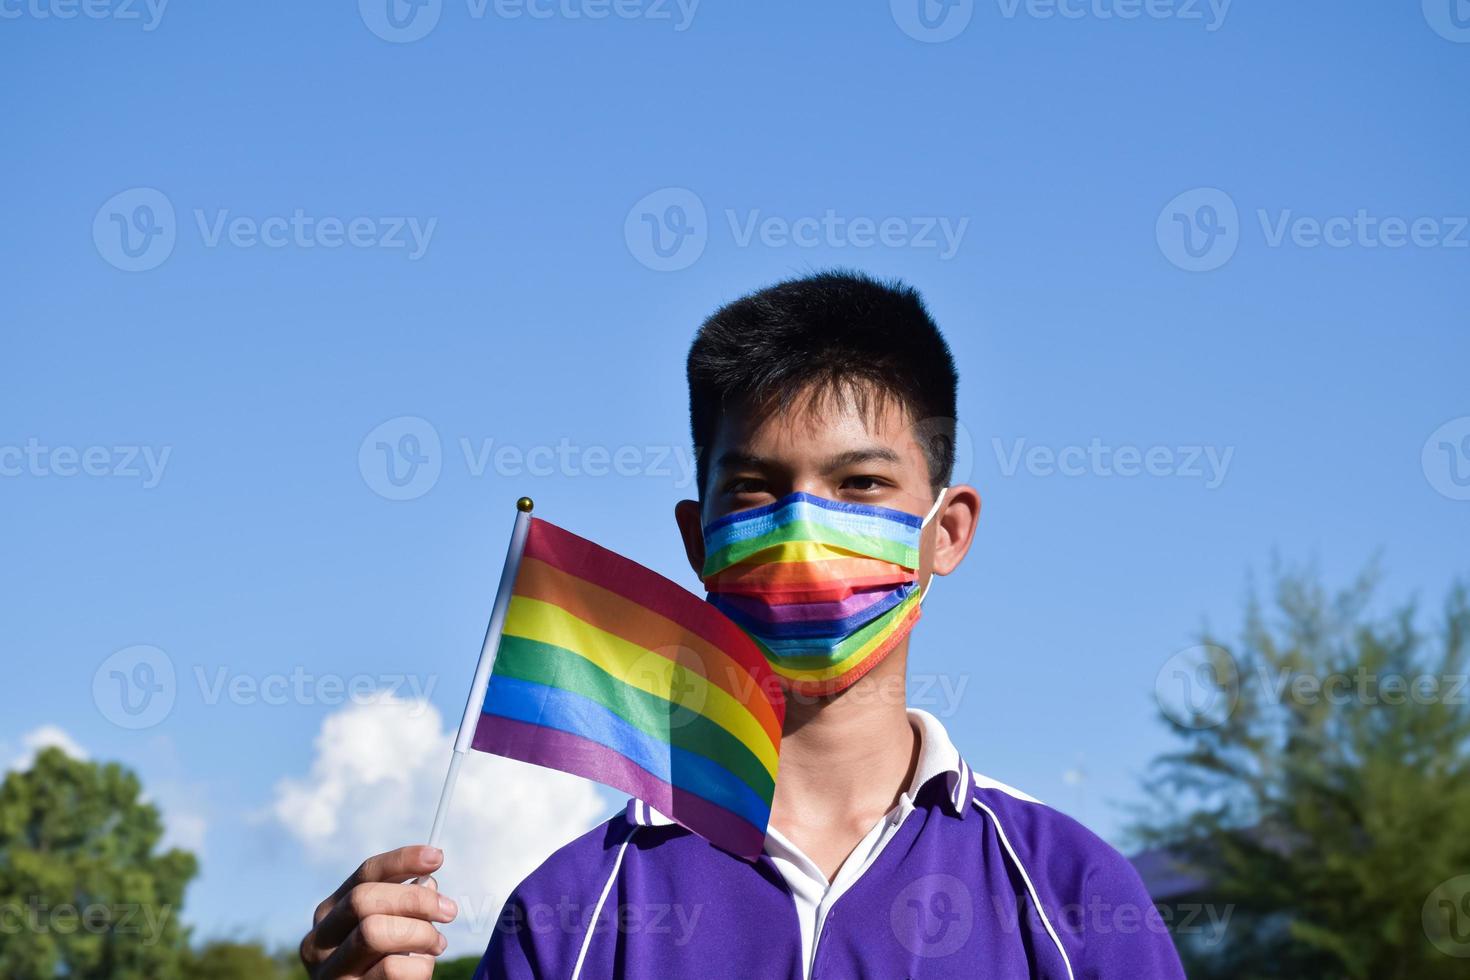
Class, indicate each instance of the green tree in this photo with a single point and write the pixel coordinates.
(1326, 807)
(84, 892)
(224, 960)
(462, 968)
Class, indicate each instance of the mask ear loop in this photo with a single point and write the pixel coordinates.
(939, 501)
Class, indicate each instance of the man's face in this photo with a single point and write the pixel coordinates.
(824, 445)
(828, 446)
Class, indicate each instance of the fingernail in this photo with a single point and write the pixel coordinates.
(443, 944)
(433, 854)
(447, 908)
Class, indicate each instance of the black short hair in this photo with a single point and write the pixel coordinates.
(836, 332)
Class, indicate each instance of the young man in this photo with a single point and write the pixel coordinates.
(824, 411)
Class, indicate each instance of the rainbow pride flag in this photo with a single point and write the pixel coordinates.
(610, 671)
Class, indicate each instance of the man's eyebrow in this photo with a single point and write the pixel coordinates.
(736, 460)
(853, 457)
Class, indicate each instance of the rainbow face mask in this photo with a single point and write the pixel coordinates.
(826, 588)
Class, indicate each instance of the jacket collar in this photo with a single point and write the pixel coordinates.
(939, 762)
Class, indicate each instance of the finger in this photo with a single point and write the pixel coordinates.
(381, 898)
(310, 953)
(401, 968)
(396, 865)
(380, 935)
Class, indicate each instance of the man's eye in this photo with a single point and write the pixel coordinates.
(743, 485)
(862, 484)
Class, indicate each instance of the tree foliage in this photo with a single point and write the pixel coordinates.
(1325, 810)
(226, 960)
(84, 891)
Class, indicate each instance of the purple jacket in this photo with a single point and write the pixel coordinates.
(978, 881)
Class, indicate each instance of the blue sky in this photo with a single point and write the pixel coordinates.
(1232, 236)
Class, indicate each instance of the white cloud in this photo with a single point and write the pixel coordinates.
(373, 786)
(181, 826)
(45, 737)
(183, 830)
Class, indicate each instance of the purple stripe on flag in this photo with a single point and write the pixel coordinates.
(556, 749)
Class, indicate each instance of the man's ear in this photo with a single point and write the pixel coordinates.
(954, 530)
(691, 528)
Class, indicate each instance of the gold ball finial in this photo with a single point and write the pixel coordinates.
(525, 504)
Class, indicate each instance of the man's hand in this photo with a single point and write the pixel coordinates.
(363, 927)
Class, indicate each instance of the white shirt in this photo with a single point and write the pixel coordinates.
(810, 890)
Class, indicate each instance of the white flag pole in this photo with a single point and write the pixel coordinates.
(488, 650)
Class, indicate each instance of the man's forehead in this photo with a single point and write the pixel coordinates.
(878, 430)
